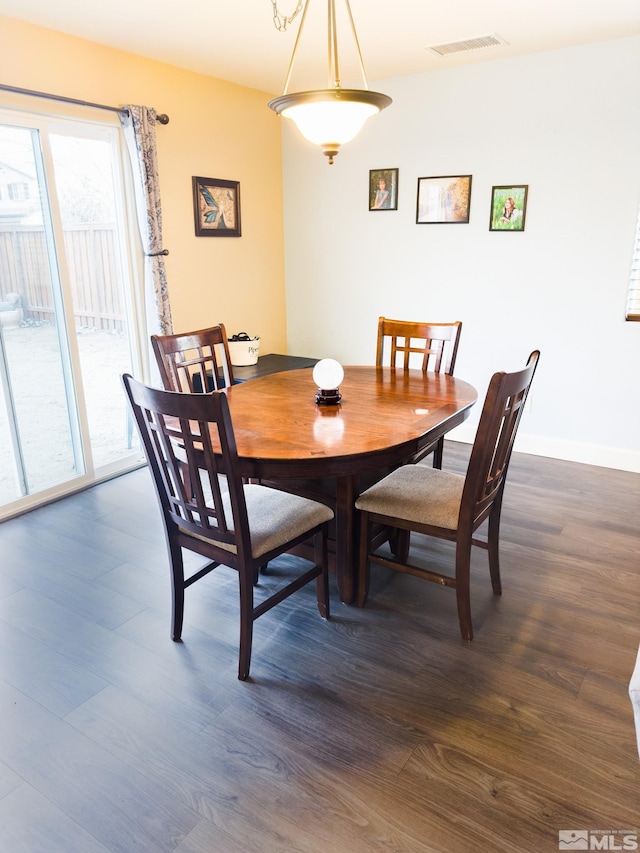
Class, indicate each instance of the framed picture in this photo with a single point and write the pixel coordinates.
(383, 189)
(216, 206)
(508, 208)
(444, 199)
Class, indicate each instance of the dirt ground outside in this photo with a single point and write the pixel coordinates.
(45, 434)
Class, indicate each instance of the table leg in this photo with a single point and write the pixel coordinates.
(346, 532)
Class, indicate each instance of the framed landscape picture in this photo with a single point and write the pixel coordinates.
(508, 208)
(383, 189)
(216, 207)
(443, 199)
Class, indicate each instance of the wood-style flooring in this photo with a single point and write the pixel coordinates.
(380, 730)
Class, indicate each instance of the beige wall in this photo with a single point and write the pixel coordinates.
(217, 130)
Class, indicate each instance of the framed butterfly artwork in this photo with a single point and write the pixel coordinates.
(216, 205)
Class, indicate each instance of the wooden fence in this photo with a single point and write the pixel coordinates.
(94, 271)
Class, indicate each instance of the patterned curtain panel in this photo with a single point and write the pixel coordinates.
(139, 125)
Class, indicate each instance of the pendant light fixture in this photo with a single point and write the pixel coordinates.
(332, 116)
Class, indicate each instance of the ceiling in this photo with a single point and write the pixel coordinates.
(236, 40)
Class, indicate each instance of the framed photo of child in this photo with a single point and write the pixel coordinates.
(383, 189)
(508, 208)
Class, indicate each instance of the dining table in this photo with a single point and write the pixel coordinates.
(332, 452)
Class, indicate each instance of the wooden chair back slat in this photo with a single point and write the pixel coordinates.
(495, 436)
(176, 433)
(434, 347)
(194, 361)
(435, 344)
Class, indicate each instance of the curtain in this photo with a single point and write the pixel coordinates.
(139, 126)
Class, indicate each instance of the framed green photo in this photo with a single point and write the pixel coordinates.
(216, 207)
(508, 208)
(383, 189)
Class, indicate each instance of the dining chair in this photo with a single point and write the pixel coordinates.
(447, 505)
(209, 510)
(429, 346)
(194, 361)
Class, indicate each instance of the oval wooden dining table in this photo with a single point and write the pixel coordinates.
(331, 453)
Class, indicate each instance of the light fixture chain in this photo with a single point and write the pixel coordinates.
(281, 22)
(332, 116)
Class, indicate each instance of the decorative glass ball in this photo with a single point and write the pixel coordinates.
(328, 374)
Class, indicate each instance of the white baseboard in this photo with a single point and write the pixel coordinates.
(556, 448)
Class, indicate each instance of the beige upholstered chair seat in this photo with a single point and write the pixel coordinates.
(275, 518)
(417, 494)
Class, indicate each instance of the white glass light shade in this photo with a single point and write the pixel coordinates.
(330, 117)
(328, 374)
(328, 122)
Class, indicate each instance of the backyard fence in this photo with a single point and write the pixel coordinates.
(93, 263)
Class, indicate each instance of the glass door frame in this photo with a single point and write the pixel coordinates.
(43, 123)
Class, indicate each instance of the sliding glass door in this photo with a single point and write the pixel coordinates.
(64, 309)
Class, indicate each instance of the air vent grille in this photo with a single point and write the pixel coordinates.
(466, 45)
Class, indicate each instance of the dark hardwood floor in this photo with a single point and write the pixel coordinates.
(377, 731)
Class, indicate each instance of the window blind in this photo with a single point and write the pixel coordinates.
(633, 303)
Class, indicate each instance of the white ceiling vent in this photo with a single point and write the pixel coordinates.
(466, 45)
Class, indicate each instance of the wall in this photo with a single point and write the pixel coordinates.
(217, 130)
(567, 123)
